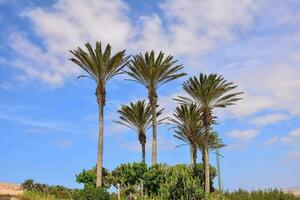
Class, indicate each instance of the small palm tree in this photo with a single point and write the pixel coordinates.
(210, 92)
(101, 67)
(188, 126)
(153, 72)
(138, 117)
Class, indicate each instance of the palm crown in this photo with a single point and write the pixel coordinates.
(137, 116)
(210, 92)
(152, 72)
(99, 65)
(187, 122)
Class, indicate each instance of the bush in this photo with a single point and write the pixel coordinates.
(153, 178)
(38, 189)
(91, 193)
(88, 177)
(180, 184)
(129, 177)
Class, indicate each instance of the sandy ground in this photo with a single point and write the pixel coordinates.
(9, 191)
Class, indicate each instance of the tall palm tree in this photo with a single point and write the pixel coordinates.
(100, 66)
(153, 72)
(188, 126)
(210, 92)
(138, 117)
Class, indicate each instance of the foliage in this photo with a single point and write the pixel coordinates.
(180, 184)
(153, 178)
(88, 177)
(91, 193)
(57, 191)
(138, 117)
(35, 195)
(153, 72)
(260, 195)
(129, 177)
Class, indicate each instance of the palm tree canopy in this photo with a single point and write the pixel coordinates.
(187, 122)
(213, 140)
(152, 72)
(99, 65)
(210, 91)
(137, 116)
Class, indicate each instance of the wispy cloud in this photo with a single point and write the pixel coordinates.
(269, 119)
(243, 134)
(14, 114)
(271, 141)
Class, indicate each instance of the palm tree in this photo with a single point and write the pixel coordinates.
(137, 116)
(153, 72)
(209, 92)
(188, 126)
(101, 67)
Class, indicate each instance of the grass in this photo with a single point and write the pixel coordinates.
(34, 195)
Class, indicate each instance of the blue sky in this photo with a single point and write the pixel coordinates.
(48, 118)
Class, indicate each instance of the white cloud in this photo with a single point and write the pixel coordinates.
(194, 27)
(271, 141)
(269, 119)
(66, 25)
(243, 135)
(265, 66)
(292, 138)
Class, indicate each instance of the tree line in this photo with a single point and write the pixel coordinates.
(192, 120)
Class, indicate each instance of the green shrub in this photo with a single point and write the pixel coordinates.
(180, 184)
(91, 193)
(153, 178)
(88, 177)
(129, 177)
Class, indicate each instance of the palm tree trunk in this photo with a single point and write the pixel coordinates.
(100, 147)
(206, 169)
(143, 152)
(193, 154)
(153, 102)
(206, 161)
(218, 170)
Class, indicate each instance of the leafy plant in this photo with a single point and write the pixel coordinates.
(153, 72)
(91, 193)
(209, 92)
(88, 177)
(129, 177)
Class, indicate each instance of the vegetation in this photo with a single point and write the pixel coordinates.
(153, 72)
(138, 116)
(192, 122)
(261, 195)
(101, 67)
(43, 191)
(91, 193)
(209, 92)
